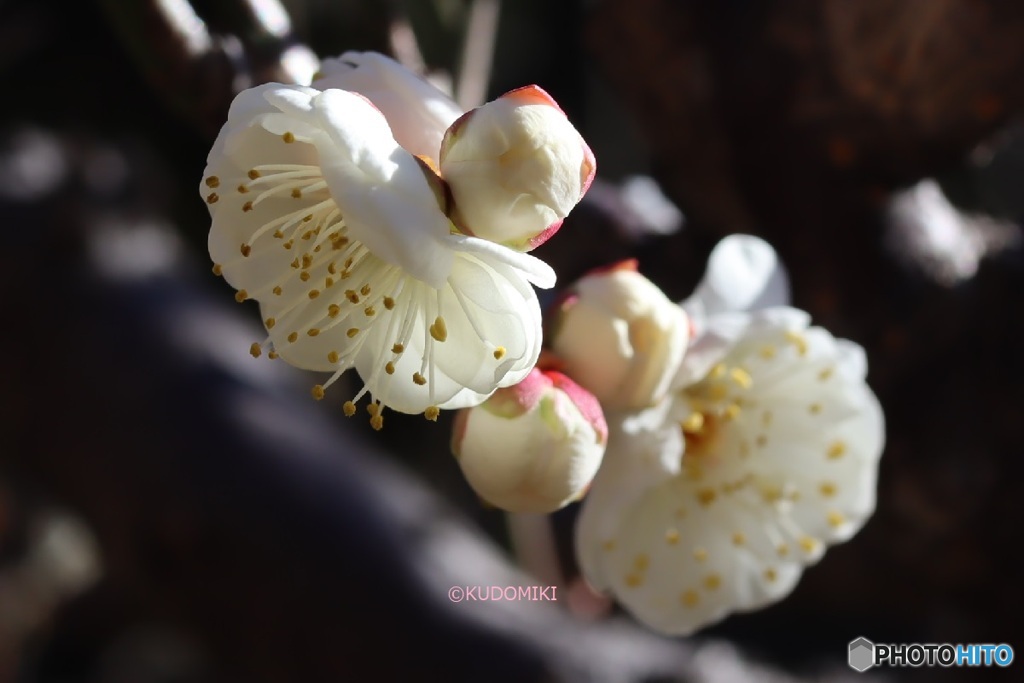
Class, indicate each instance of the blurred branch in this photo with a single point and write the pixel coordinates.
(198, 73)
(477, 53)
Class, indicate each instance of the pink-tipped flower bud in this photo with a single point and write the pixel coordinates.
(620, 337)
(516, 167)
(532, 447)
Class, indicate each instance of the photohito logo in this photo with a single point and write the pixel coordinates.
(863, 654)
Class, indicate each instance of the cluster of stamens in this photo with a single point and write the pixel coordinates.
(351, 287)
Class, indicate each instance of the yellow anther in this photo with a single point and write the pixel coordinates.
(242, 189)
(398, 348)
(328, 282)
(814, 408)
(373, 408)
(295, 263)
(307, 235)
(296, 193)
(369, 311)
(254, 174)
(732, 411)
(672, 537)
(277, 290)
(318, 391)
(272, 355)
(689, 598)
(782, 550)
(808, 544)
(332, 357)
(333, 310)
(700, 554)
(836, 450)
(712, 582)
(255, 350)
(827, 489)
(241, 295)
(693, 424)
(332, 268)
(212, 198)
(641, 562)
(389, 303)
(365, 290)
(438, 330)
(213, 181)
(293, 337)
(351, 332)
(314, 293)
(798, 341)
(741, 377)
(706, 496)
(431, 413)
(270, 322)
(218, 270)
(825, 374)
(307, 218)
(245, 249)
(389, 368)
(419, 379)
(313, 331)
(307, 260)
(739, 539)
(288, 245)
(288, 137)
(499, 353)
(768, 352)
(349, 408)
(304, 276)
(247, 207)
(351, 295)
(770, 575)
(835, 519)
(634, 580)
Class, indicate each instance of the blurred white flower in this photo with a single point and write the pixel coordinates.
(782, 438)
(339, 232)
(620, 337)
(516, 167)
(532, 447)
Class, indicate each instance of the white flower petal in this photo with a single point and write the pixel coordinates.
(386, 199)
(634, 463)
(678, 564)
(743, 274)
(418, 112)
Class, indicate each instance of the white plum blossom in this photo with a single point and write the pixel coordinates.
(516, 167)
(533, 447)
(620, 337)
(325, 210)
(782, 438)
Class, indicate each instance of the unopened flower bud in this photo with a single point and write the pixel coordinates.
(620, 337)
(532, 447)
(516, 167)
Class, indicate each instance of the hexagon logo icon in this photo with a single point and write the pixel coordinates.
(862, 654)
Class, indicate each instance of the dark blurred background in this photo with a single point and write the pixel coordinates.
(172, 510)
